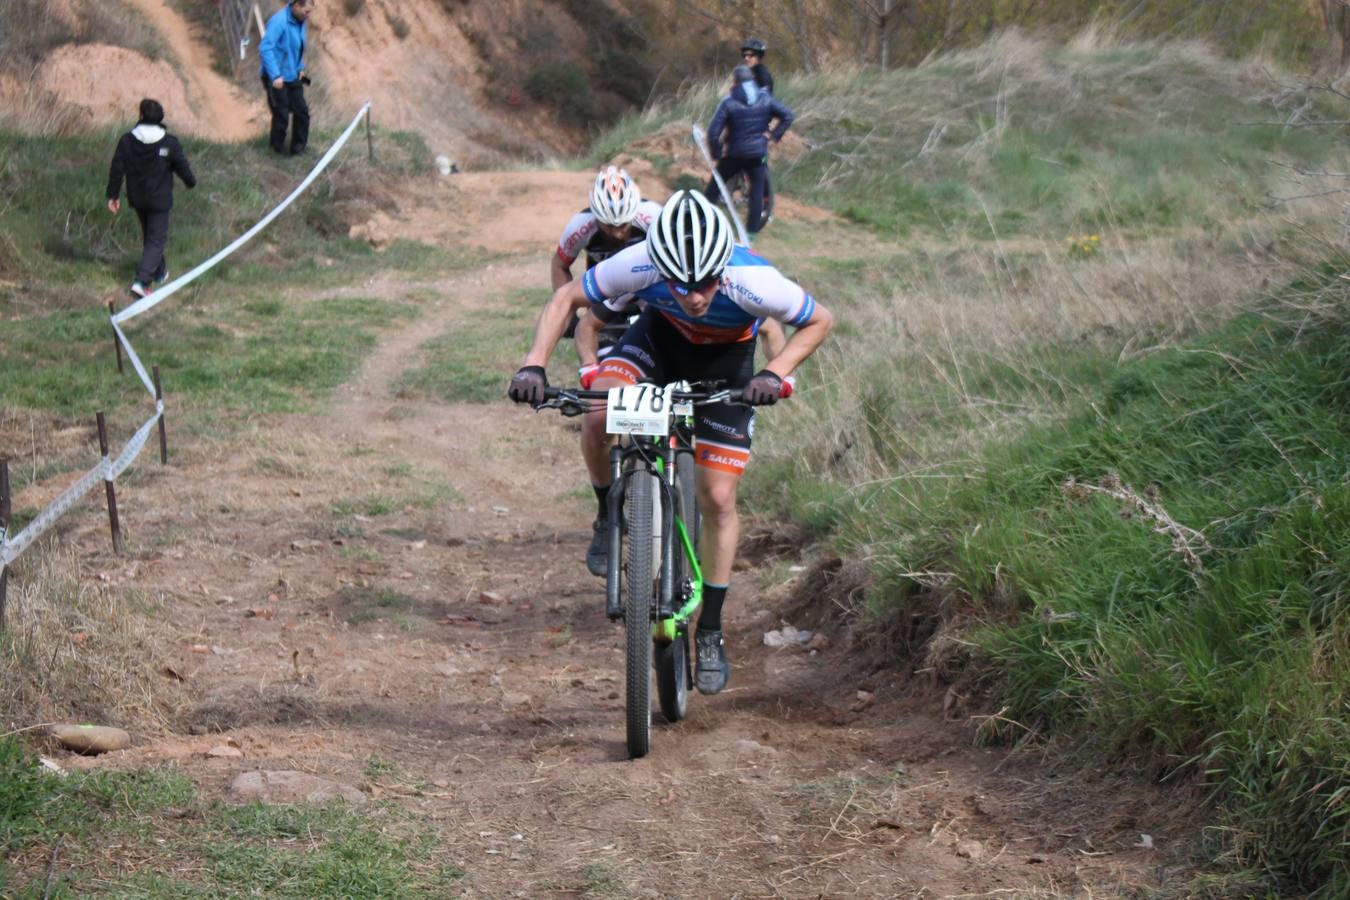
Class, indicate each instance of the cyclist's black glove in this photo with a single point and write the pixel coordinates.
(527, 385)
(763, 389)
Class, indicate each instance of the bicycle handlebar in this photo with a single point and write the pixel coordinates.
(697, 397)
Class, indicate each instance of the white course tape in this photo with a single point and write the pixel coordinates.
(47, 518)
(135, 359)
(721, 185)
(108, 470)
(133, 447)
(168, 290)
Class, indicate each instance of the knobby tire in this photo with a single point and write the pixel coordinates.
(673, 673)
(639, 510)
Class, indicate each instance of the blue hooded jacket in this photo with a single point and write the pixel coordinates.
(282, 49)
(745, 116)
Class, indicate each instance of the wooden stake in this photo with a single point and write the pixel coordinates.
(257, 15)
(370, 143)
(163, 435)
(117, 344)
(108, 487)
(4, 523)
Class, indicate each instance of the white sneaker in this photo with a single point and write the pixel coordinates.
(138, 290)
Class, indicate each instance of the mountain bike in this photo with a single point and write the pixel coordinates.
(654, 582)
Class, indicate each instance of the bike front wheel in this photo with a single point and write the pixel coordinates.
(640, 510)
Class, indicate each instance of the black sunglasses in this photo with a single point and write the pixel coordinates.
(684, 288)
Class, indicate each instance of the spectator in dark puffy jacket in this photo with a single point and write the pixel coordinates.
(739, 135)
(148, 157)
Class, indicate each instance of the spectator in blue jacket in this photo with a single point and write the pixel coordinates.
(282, 54)
(739, 136)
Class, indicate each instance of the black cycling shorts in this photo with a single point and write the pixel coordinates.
(653, 350)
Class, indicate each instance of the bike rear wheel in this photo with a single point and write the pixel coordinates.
(739, 188)
(640, 510)
(673, 674)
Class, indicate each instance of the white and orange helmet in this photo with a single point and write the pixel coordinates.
(615, 197)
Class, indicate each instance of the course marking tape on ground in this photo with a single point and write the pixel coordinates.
(168, 290)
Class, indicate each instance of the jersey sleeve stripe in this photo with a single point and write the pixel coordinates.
(808, 309)
(592, 289)
(566, 257)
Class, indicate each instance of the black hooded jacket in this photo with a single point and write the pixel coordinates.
(148, 156)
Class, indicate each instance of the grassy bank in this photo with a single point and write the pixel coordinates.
(1084, 413)
(1162, 571)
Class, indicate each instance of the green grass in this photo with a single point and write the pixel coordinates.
(211, 850)
(263, 356)
(465, 364)
(1236, 673)
(63, 244)
(238, 338)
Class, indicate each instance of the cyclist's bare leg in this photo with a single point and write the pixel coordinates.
(595, 442)
(721, 527)
(721, 523)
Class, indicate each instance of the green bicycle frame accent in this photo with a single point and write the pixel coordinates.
(665, 630)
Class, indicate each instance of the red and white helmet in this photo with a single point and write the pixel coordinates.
(615, 197)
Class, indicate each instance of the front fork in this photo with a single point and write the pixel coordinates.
(614, 504)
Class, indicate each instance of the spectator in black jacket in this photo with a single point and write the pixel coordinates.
(752, 51)
(739, 135)
(148, 156)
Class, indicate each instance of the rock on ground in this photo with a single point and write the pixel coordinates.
(291, 787)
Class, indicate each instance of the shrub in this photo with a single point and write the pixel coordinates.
(563, 86)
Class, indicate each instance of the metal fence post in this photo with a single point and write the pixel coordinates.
(108, 487)
(163, 435)
(117, 344)
(4, 526)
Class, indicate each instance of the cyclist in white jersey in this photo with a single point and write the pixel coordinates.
(704, 301)
(616, 217)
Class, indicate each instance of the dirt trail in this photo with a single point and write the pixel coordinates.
(462, 645)
(219, 108)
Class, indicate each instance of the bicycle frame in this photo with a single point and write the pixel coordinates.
(657, 458)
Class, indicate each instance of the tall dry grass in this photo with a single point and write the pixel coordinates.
(943, 347)
(74, 648)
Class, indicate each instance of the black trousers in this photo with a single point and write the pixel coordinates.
(758, 169)
(289, 110)
(155, 238)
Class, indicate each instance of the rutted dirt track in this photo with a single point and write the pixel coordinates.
(463, 645)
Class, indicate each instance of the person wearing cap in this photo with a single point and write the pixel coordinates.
(739, 136)
(752, 51)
